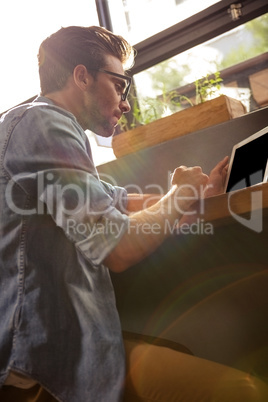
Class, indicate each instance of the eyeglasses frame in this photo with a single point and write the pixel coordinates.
(124, 77)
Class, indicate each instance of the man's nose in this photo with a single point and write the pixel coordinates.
(125, 106)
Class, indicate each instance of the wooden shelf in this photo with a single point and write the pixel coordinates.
(178, 124)
(220, 209)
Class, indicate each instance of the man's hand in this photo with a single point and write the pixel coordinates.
(214, 186)
(148, 228)
(190, 180)
(217, 178)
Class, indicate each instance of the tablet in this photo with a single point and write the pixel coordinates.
(248, 162)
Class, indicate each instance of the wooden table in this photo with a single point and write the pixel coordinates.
(208, 291)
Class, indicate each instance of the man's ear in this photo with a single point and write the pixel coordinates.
(81, 77)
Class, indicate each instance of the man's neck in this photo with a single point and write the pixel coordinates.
(68, 100)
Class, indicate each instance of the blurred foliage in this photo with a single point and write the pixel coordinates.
(145, 110)
(259, 44)
(207, 87)
(170, 74)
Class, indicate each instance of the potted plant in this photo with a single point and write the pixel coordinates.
(151, 125)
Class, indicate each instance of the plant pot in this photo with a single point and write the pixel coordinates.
(195, 118)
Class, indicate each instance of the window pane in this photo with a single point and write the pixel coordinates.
(24, 25)
(241, 57)
(137, 20)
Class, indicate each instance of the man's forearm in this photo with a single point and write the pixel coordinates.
(138, 202)
(147, 230)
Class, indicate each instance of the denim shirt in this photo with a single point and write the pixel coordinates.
(59, 324)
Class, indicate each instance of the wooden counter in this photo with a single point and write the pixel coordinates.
(208, 291)
(223, 209)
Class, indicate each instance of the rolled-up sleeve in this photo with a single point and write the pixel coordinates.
(55, 170)
(79, 204)
(118, 194)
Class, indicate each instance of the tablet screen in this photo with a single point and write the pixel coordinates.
(248, 164)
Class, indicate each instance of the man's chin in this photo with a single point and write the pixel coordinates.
(105, 132)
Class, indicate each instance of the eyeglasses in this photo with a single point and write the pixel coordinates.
(126, 78)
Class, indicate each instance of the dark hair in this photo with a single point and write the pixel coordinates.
(61, 52)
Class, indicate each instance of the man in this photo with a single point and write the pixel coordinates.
(60, 336)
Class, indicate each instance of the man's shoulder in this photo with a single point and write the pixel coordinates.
(40, 106)
(40, 119)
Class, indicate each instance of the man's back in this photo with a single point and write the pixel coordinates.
(59, 323)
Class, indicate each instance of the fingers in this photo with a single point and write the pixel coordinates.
(192, 177)
(223, 168)
(222, 165)
(224, 160)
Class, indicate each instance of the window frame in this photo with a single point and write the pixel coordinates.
(193, 31)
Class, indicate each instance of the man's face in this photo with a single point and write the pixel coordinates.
(103, 104)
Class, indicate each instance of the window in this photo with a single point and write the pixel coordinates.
(177, 41)
(223, 36)
(137, 20)
(24, 25)
(240, 55)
